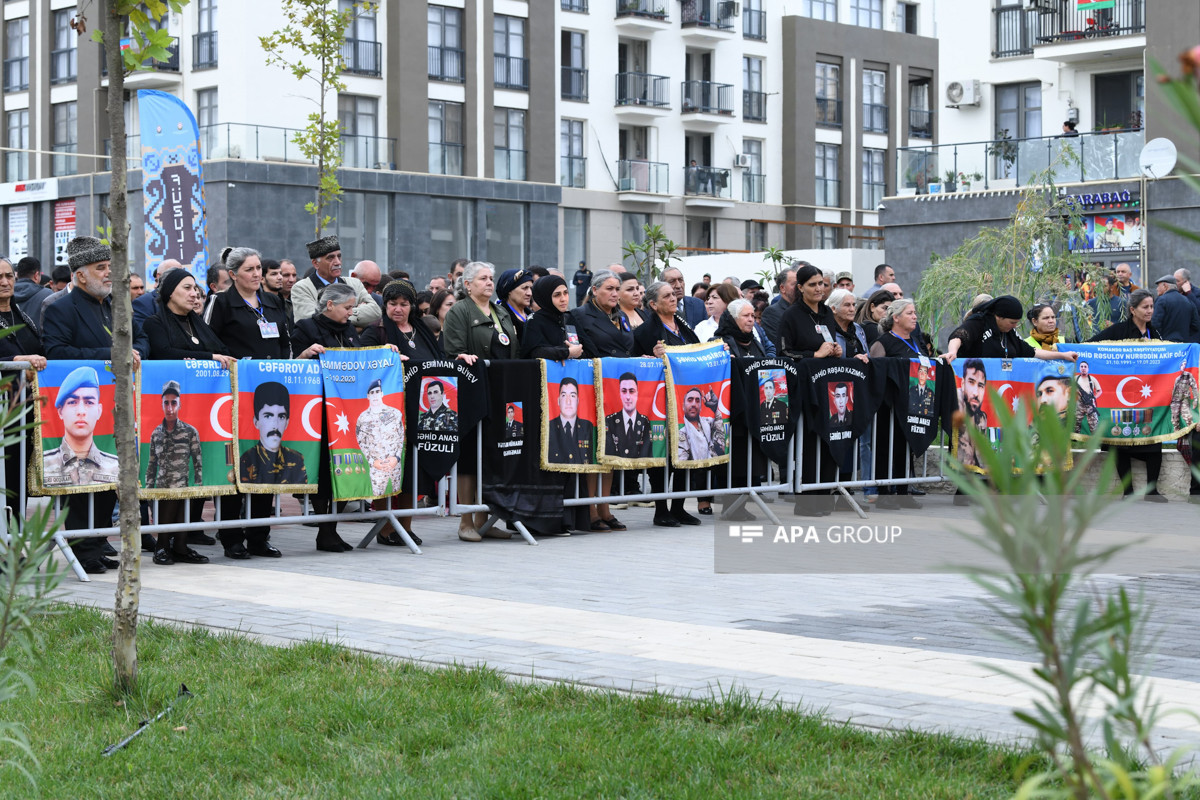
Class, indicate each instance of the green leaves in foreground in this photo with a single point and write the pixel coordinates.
(1035, 510)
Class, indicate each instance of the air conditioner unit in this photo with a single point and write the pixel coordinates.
(963, 93)
(741, 160)
(728, 9)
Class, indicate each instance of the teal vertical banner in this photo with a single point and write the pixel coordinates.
(172, 185)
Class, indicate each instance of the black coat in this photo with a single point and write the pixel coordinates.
(75, 329)
(385, 332)
(236, 324)
(598, 335)
(728, 332)
(1176, 318)
(24, 342)
(169, 340)
(546, 336)
(798, 335)
(325, 332)
(980, 338)
(1121, 331)
(653, 331)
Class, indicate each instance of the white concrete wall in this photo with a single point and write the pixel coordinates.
(751, 265)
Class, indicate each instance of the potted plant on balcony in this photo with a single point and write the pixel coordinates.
(966, 179)
(950, 182)
(1005, 150)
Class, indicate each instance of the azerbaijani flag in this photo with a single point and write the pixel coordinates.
(1094, 5)
(652, 395)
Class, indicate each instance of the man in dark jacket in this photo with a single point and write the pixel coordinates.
(785, 290)
(1175, 317)
(145, 306)
(692, 307)
(29, 292)
(79, 327)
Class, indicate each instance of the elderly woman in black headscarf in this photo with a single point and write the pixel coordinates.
(330, 326)
(400, 326)
(514, 292)
(546, 335)
(736, 329)
(990, 332)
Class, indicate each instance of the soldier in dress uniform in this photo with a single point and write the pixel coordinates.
(512, 428)
(1183, 398)
(772, 411)
(627, 431)
(77, 461)
(269, 461)
(570, 436)
(439, 417)
(380, 432)
(920, 397)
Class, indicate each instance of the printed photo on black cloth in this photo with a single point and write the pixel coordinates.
(447, 399)
(919, 405)
(765, 395)
(843, 395)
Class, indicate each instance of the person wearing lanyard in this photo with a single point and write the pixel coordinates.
(989, 332)
(251, 324)
(478, 327)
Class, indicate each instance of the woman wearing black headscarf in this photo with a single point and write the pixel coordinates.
(546, 335)
(400, 325)
(990, 332)
(513, 292)
(736, 329)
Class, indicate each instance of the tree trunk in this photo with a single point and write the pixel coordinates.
(125, 612)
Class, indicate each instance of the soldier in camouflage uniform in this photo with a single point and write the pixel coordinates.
(173, 444)
(79, 408)
(380, 432)
(1183, 398)
(439, 417)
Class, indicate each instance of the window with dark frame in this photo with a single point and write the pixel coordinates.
(445, 138)
(444, 26)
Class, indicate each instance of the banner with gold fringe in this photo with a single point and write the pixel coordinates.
(569, 421)
(631, 398)
(698, 396)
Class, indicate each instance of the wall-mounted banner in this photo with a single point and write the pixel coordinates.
(698, 397)
(172, 185)
(64, 228)
(844, 394)
(767, 398)
(1136, 393)
(569, 424)
(278, 425)
(632, 399)
(76, 451)
(185, 433)
(447, 399)
(364, 420)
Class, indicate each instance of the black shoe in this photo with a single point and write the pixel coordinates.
(391, 540)
(200, 537)
(107, 549)
(684, 518)
(265, 550)
(93, 567)
(332, 544)
(110, 563)
(164, 558)
(706, 511)
(237, 552)
(907, 502)
(666, 521)
(148, 542)
(190, 556)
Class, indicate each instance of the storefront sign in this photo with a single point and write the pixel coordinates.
(28, 191)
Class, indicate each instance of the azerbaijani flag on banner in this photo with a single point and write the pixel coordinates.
(1137, 393)
(698, 397)
(278, 425)
(185, 432)
(364, 419)
(75, 398)
(1094, 5)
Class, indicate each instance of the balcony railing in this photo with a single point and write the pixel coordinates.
(708, 14)
(653, 9)
(754, 25)
(1097, 157)
(829, 112)
(204, 50)
(16, 74)
(510, 164)
(754, 187)
(511, 72)
(171, 62)
(64, 161)
(875, 118)
(642, 176)
(754, 106)
(1067, 23)
(63, 65)
(574, 83)
(707, 182)
(920, 123)
(445, 158)
(573, 171)
(641, 89)
(445, 64)
(363, 57)
(1016, 28)
(574, 5)
(707, 97)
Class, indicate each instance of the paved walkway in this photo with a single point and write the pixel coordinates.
(645, 610)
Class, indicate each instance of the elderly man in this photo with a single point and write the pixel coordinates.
(78, 327)
(693, 308)
(144, 306)
(436, 284)
(1125, 283)
(785, 291)
(326, 256)
(368, 274)
(1183, 280)
(1175, 316)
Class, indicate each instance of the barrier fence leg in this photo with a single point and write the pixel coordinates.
(69, 555)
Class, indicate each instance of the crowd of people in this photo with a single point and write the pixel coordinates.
(259, 308)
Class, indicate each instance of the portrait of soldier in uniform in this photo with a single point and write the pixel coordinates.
(1184, 395)
(174, 446)
(627, 433)
(841, 415)
(512, 428)
(974, 389)
(920, 394)
(380, 433)
(1054, 390)
(268, 461)
(1089, 389)
(772, 410)
(439, 417)
(77, 461)
(570, 436)
(700, 437)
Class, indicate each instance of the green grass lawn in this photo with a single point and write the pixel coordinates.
(316, 720)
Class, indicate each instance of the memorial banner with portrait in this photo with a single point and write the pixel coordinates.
(364, 421)
(766, 394)
(447, 399)
(924, 398)
(1136, 392)
(843, 396)
(631, 394)
(698, 397)
(569, 424)
(76, 450)
(185, 429)
(277, 425)
(980, 383)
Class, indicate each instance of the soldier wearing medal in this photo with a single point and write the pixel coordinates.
(570, 437)
(772, 410)
(920, 397)
(1184, 395)
(627, 432)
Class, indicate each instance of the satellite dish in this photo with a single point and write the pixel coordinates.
(1158, 158)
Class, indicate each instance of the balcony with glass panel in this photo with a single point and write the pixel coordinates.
(875, 118)
(920, 123)
(509, 164)
(754, 106)
(641, 96)
(643, 181)
(445, 158)
(64, 161)
(705, 186)
(754, 187)
(642, 17)
(574, 84)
